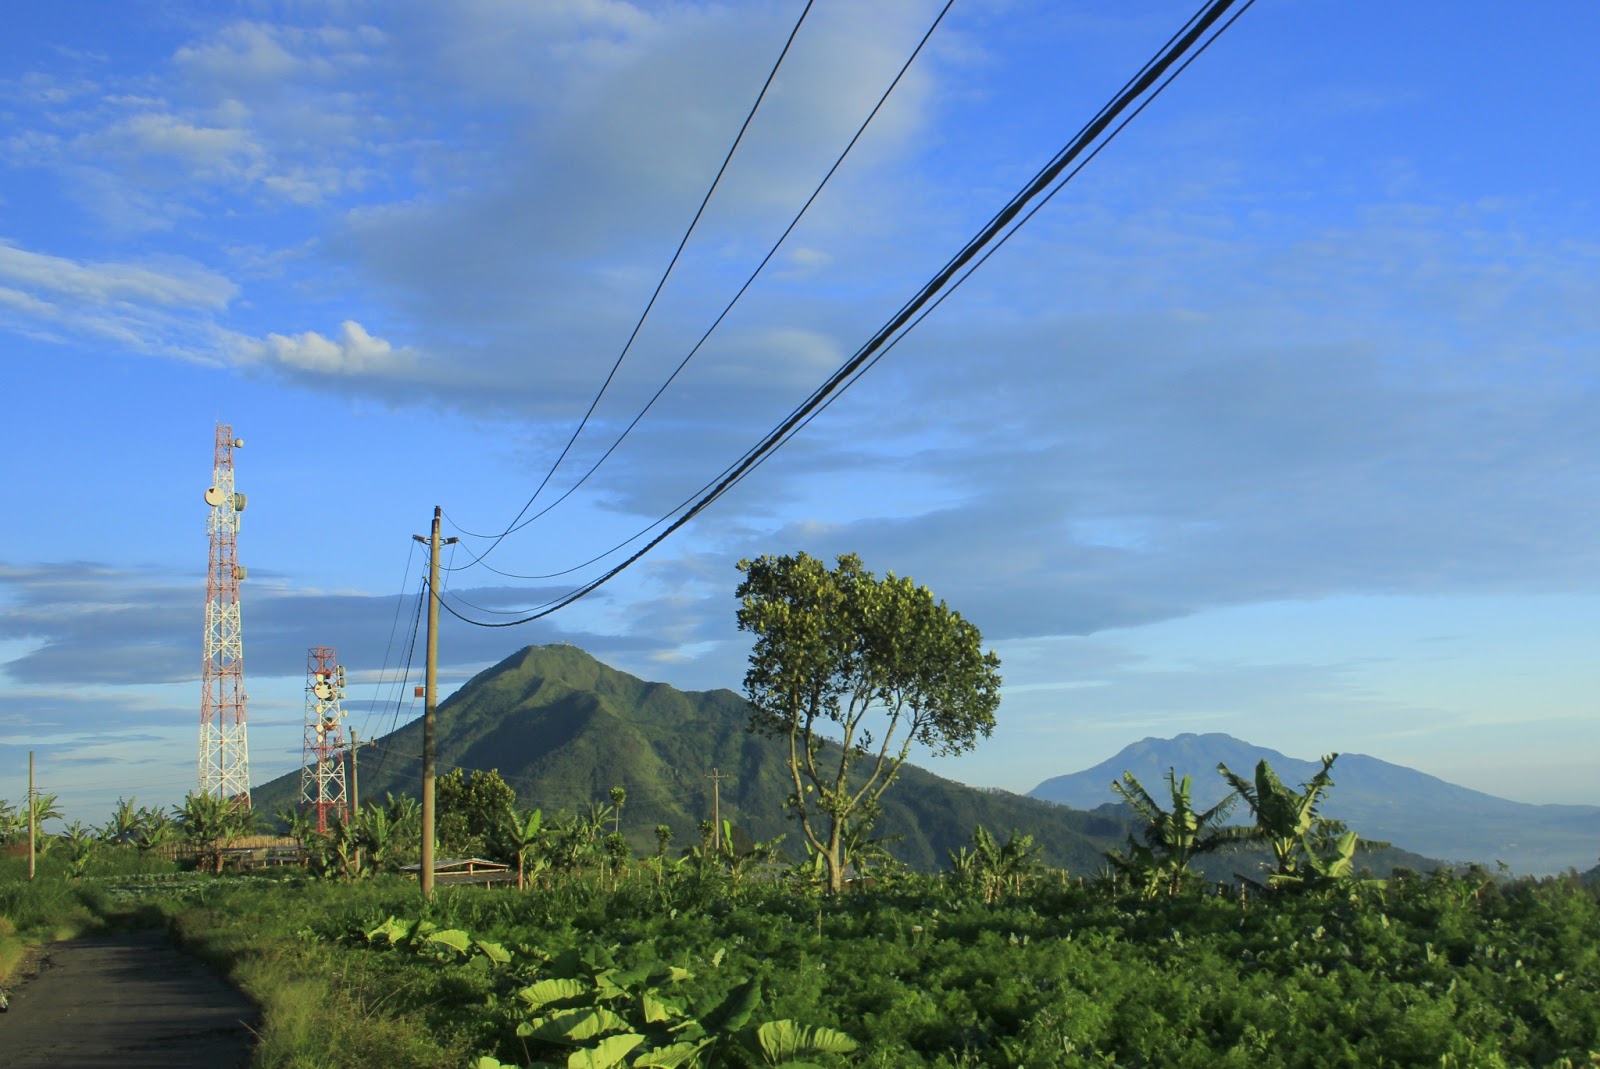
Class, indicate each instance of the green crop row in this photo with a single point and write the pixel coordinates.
(1447, 970)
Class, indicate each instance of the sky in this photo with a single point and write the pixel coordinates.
(1278, 420)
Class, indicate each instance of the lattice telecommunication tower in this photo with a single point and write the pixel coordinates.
(322, 772)
(224, 755)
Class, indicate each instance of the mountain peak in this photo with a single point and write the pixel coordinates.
(1378, 799)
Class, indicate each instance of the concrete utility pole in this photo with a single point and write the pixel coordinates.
(430, 699)
(716, 779)
(355, 794)
(30, 815)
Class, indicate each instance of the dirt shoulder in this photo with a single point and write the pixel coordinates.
(130, 1000)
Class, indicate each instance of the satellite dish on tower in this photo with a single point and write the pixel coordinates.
(322, 690)
(213, 497)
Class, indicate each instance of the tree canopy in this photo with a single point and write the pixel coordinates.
(871, 665)
(470, 809)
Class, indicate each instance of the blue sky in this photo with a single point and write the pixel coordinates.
(1280, 420)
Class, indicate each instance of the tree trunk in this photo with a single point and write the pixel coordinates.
(835, 862)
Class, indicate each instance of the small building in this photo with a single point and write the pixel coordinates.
(465, 870)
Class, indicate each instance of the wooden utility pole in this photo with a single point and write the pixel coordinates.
(430, 698)
(31, 843)
(716, 779)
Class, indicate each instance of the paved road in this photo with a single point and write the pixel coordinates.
(129, 1001)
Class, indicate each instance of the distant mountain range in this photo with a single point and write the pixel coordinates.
(1379, 800)
(563, 729)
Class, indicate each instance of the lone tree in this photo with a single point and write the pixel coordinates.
(850, 668)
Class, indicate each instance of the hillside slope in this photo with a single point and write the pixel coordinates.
(563, 729)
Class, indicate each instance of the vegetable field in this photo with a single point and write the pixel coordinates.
(914, 971)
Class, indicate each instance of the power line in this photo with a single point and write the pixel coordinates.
(399, 603)
(728, 308)
(1020, 222)
(411, 649)
(885, 337)
(516, 523)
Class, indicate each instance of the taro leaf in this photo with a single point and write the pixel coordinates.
(577, 1026)
(634, 977)
(487, 1062)
(676, 975)
(390, 929)
(454, 938)
(547, 991)
(734, 1010)
(493, 951)
(688, 1030)
(781, 1040)
(611, 1051)
(654, 1009)
(678, 1054)
(606, 986)
(569, 962)
(598, 957)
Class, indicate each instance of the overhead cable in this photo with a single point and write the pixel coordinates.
(773, 251)
(1168, 58)
(517, 522)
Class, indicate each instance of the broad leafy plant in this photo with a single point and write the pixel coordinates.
(1172, 838)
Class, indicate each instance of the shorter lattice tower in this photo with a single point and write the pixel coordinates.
(224, 766)
(322, 792)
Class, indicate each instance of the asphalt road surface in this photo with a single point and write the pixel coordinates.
(131, 1001)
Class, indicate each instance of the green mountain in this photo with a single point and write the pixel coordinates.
(562, 729)
(1380, 800)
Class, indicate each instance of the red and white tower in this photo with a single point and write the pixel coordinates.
(322, 771)
(224, 756)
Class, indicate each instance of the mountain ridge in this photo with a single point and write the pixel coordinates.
(1377, 798)
(562, 729)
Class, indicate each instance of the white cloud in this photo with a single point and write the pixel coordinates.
(352, 352)
(208, 151)
(173, 284)
(262, 54)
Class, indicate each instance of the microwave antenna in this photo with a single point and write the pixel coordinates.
(322, 793)
(224, 764)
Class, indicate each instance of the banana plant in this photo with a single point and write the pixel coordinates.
(522, 829)
(718, 856)
(123, 827)
(80, 843)
(213, 823)
(12, 821)
(1287, 821)
(155, 829)
(46, 806)
(377, 836)
(1172, 838)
